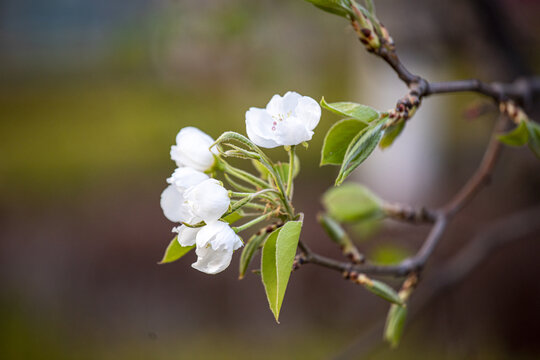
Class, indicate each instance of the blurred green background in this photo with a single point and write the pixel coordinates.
(92, 94)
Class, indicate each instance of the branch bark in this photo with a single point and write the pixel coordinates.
(494, 236)
(441, 218)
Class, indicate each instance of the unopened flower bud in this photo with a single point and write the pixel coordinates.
(208, 200)
(186, 235)
(216, 243)
(173, 201)
(192, 149)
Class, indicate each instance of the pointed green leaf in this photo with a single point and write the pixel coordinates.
(360, 148)
(276, 263)
(249, 250)
(534, 137)
(351, 203)
(337, 140)
(233, 217)
(517, 137)
(174, 251)
(395, 322)
(382, 290)
(349, 109)
(391, 134)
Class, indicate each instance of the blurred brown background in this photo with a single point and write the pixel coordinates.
(92, 94)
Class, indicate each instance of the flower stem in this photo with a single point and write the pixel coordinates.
(255, 221)
(256, 206)
(247, 198)
(291, 171)
(253, 195)
(243, 175)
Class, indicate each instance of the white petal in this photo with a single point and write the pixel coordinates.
(186, 236)
(275, 106)
(237, 243)
(192, 149)
(308, 112)
(208, 200)
(259, 125)
(171, 199)
(218, 235)
(292, 132)
(175, 207)
(212, 261)
(290, 102)
(184, 177)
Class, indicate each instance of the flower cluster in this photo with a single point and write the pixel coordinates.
(199, 203)
(193, 197)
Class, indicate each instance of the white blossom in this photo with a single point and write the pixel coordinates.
(185, 177)
(173, 200)
(287, 120)
(186, 235)
(192, 149)
(216, 243)
(208, 200)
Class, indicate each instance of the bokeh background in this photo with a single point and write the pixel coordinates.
(92, 94)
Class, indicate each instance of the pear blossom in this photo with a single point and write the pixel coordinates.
(208, 200)
(186, 235)
(287, 120)
(216, 243)
(173, 201)
(192, 149)
(184, 177)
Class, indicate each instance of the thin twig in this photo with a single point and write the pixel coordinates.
(494, 236)
(520, 90)
(441, 217)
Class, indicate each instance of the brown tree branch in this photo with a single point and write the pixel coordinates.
(440, 216)
(494, 236)
(520, 90)
(407, 213)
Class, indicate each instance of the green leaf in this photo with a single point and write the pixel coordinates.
(233, 217)
(276, 263)
(517, 137)
(534, 137)
(395, 322)
(249, 250)
(367, 228)
(349, 109)
(382, 290)
(338, 7)
(389, 254)
(174, 251)
(263, 171)
(337, 140)
(351, 202)
(391, 134)
(360, 148)
(283, 169)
